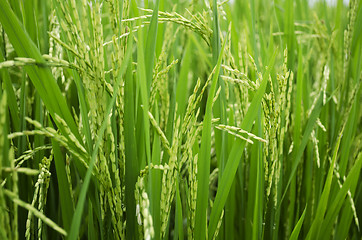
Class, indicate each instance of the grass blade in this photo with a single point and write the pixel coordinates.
(235, 154)
(298, 226)
(338, 201)
(66, 202)
(203, 164)
(151, 45)
(14, 111)
(308, 130)
(131, 162)
(181, 88)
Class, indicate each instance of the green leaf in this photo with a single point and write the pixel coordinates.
(66, 202)
(131, 161)
(298, 226)
(14, 111)
(235, 154)
(203, 164)
(340, 198)
(151, 45)
(300, 149)
(323, 201)
(181, 88)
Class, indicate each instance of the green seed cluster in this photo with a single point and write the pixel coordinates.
(168, 180)
(143, 205)
(4, 216)
(40, 195)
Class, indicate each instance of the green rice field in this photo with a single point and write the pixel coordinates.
(180, 119)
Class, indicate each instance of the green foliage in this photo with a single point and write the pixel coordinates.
(168, 119)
